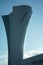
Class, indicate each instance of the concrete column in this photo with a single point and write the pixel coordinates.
(16, 24)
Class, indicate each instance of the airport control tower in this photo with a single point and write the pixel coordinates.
(16, 24)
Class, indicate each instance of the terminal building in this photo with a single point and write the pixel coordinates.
(16, 24)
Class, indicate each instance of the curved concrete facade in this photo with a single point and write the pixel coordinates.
(16, 24)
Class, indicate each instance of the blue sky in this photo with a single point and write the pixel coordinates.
(34, 35)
